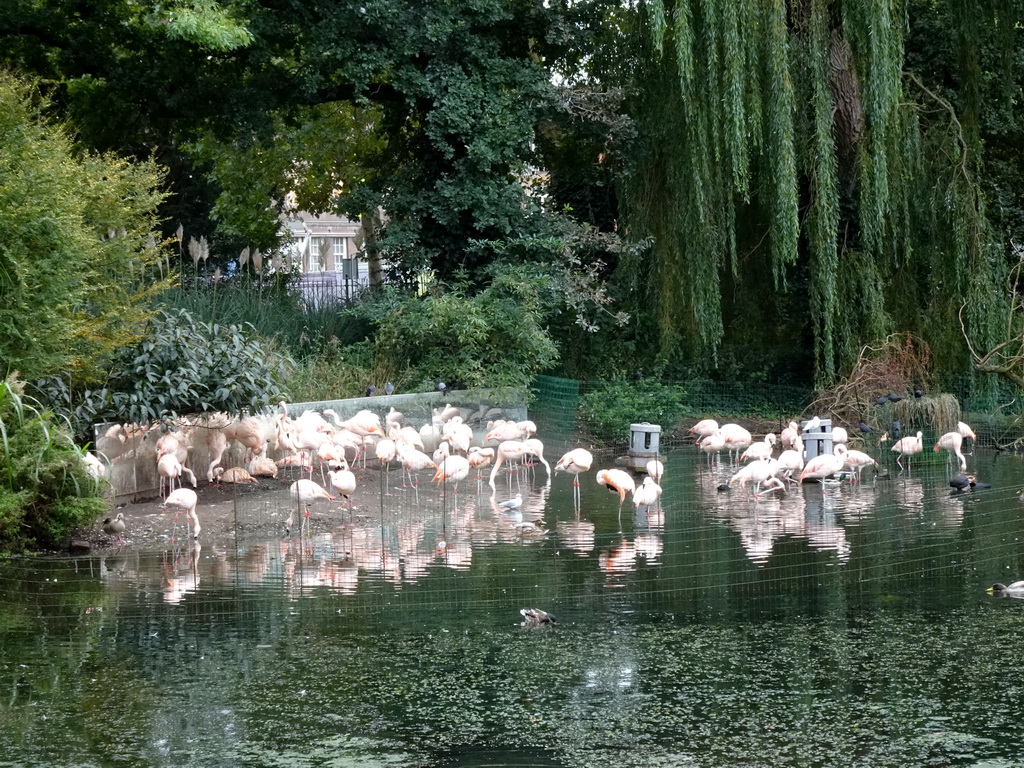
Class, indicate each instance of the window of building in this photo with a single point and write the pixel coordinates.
(339, 254)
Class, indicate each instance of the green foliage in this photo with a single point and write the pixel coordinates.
(488, 338)
(608, 409)
(185, 366)
(337, 372)
(45, 491)
(78, 267)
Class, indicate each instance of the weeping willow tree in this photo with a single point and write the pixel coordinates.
(801, 186)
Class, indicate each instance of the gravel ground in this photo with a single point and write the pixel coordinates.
(148, 525)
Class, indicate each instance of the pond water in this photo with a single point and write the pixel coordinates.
(830, 626)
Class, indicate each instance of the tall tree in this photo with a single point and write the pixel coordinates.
(784, 151)
(78, 263)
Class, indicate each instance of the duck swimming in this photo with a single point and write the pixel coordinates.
(534, 616)
(1014, 589)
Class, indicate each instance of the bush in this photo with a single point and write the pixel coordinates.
(491, 337)
(45, 491)
(609, 408)
(187, 366)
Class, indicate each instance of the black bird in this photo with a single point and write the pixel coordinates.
(896, 429)
(881, 400)
(918, 393)
(371, 390)
(638, 374)
(865, 428)
(389, 388)
(892, 397)
(963, 482)
(537, 616)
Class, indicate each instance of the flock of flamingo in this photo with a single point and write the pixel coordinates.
(322, 441)
(769, 473)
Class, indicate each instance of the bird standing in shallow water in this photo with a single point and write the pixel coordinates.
(513, 503)
(114, 526)
(184, 500)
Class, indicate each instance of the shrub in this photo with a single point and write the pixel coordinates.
(45, 491)
(609, 408)
(187, 366)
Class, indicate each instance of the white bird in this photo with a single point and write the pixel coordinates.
(907, 446)
(343, 481)
(184, 500)
(534, 447)
(756, 472)
(574, 462)
(304, 492)
(822, 466)
(713, 444)
(704, 428)
(234, 475)
(737, 438)
(791, 461)
(512, 503)
(951, 442)
(812, 424)
(170, 469)
(839, 436)
(856, 461)
(760, 450)
(655, 469)
(965, 431)
(453, 469)
(647, 494)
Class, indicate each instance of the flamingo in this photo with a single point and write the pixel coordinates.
(761, 450)
(343, 481)
(234, 475)
(114, 526)
(791, 460)
(217, 444)
(535, 448)
(478, 459)
(394, 417)
(94, 466)
(704, 428)
(386, 451)
(508, 451)
(713, 444)
(413, 461)
(907, 446)
(965, 431)
(574, 462)
(262, 466)
(184, 500)
(839, 436)
(249, 434)
(757, 472)
(736, 438)
(855, 460)
(304, 492)
(503, 431)
(655, 469)
(452, 470)
(170, 469)
(822, 466)
(789, 435)
(951, 442)
(647, 494)
(617, 481)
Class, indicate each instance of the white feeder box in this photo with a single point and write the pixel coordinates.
(644, 442)
(818, 440)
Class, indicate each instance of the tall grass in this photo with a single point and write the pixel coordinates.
(277, 310)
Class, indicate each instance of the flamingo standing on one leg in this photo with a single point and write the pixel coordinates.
(304, 492)
(453, 469)
(478, 459)
(574, 462)
(617, 481)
